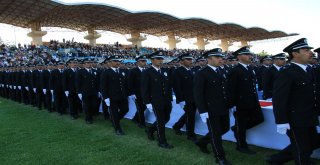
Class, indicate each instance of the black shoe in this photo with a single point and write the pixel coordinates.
(223, 162)
(149, 134)
(106, 117)
(119, 132)
(202, 146)
(89, 121)
(269, 160)
(177, 130)
(74, 117)
(192, 138)
(246, 151)
(141, 126)
(135, 120)
(165, 145)
(233, 129)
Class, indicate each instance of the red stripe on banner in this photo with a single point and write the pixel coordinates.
(265, 103)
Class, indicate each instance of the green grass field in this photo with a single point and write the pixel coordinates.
(30, 136)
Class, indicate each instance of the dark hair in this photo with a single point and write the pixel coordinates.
(291, 53)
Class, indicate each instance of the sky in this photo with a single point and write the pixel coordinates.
(289, 16)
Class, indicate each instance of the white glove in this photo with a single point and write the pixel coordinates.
(19, 87)
(204, 117)
(44, 91)
(107, 101)
(34, 90)
(14, 87)
(10, 86)
(282, 128)
(99, 94)
(233, 109)
(51, 92)
(27, 88)
(150, 108)
(80, 96)
(67, 93)
(133, 97)
(2, 85)
(182, 104)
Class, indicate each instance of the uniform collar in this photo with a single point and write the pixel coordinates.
(114, 69)
(304, 67)
(213, 68)
(277, 67)
(141, 69)
(244, 65)
(157, 69)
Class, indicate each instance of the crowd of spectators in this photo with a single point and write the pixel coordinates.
(54, 51)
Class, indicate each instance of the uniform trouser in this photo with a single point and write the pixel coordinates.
(286, 154)
(48, 99)
(162, 112)
(105, 109)
(59, 101)
(40, 98)
(139, 116)
(303, 140)
(74, 104)
(217, 126)
(12, 94)
(31, 96)
(24, 95)
(2, 91)
(244, 120)
(18, 95)
(118, 108)
(89, 103)
(96, 109)
(7, 92)
(188, 118)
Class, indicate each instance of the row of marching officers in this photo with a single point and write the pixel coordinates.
(212, 88)
(204, 87)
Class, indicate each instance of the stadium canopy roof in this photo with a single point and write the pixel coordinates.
(81, 17)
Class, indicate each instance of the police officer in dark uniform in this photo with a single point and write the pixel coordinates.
(134, 84)
(200, 63)
(265, 62)
(46, 87)
(156, 90)
(316, 58)
(37, 85)
(295, 102)
(183, 89)
(19, 83)
(114, 89)
(210, 93)
(105, 108)
(87, 89)
(56, 80)
(279, 60)
(28, 85)
(24, 92)
(69, 87)
(243, 95)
